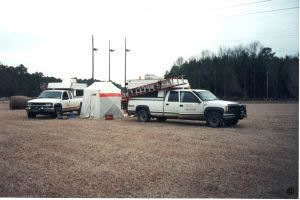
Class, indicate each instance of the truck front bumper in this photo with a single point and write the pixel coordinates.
(242, 115)
(40, 110)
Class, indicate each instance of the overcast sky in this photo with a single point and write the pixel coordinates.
(54, 36)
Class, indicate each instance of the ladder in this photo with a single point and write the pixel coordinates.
(153, 87)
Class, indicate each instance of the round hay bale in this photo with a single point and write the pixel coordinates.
(18, 102)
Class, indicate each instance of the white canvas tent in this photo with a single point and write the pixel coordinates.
(100, 99)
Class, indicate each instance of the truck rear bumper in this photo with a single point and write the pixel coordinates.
(131, 112)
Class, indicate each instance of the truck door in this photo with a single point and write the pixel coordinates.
(171, 107)
(65, 101)
(190, 106)
(72, 101)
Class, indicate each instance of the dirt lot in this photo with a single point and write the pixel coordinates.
(47, 157)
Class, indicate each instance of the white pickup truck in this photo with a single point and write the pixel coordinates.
(53, 102)
(189, 104)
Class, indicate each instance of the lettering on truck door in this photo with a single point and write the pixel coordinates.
(190, 106)
(172, 104)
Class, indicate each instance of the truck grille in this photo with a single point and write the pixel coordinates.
(38, 105)
(237, 109)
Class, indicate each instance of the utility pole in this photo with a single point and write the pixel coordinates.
(109, 50)
(93, 49)
(126, 50)
(92, 57)
(125, 65)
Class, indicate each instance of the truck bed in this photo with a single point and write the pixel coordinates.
(155, 104)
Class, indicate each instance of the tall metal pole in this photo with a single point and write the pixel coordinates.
(125, 64)
(126, 50)
(93, 57)
(108, 60)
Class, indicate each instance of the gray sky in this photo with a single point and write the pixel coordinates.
(54, 37)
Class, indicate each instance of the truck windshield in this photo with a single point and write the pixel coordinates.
(48, 94)
(206, 95)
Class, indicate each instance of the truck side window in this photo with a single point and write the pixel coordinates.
(188, 97)
(79, 93)
(65, 96)
(173, 97)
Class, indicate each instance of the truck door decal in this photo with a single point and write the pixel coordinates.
(189, 107)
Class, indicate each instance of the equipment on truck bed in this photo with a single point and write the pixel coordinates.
(163, 84)
(153, 86)
(76, 88)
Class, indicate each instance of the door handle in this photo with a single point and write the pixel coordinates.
(167, 104)
(180, 105)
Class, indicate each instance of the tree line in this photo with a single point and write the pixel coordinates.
(17, 81)
(244, 72)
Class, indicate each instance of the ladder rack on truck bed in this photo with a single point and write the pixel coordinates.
(153, 87)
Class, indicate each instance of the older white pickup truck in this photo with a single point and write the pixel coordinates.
(53, 102)
(189, 104)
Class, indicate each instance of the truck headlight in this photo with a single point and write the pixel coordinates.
(48, 105)
(226, 109)
(28, 104)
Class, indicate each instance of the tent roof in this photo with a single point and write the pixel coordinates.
(104, 87)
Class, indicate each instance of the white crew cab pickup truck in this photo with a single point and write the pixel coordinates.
(189, 104)
(53, 102)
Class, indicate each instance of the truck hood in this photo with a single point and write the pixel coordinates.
(44, 100)
(219, 103)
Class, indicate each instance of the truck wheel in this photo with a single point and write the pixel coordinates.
(214, 119)
(31, 115)
(58, 111)
(161, 119)
(143, 116)
(231, 122)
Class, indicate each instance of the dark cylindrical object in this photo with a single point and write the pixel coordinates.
(18, 102)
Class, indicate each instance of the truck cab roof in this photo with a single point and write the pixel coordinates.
(55, 90)
(190, 90)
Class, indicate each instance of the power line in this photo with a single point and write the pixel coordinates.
(250, 3)
(266, 11)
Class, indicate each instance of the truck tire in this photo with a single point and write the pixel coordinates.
(214, 119)
(31, 115)
(143, 115)
(231, 122)
(58, 111)
(161, 119)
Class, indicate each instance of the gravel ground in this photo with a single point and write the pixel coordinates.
(46, 157)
